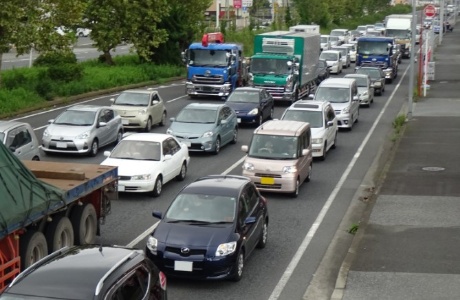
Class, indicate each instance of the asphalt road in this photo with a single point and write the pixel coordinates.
(83, 50)
(285, 267)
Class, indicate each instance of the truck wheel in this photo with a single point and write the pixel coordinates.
(32, 248)
(59, 234)
(84, 222)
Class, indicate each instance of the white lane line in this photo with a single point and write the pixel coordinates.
(233, 166)
(319, 219)
(41, 127)
(178, 98)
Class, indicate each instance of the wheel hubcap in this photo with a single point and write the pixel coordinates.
(265, 234)
(158, 186)
(95, 148)
(240, 264)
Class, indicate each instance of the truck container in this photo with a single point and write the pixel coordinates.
(399, 27)
(214, 68)
(378, 51)
(45, 206)
(285, 63)
(305, 28)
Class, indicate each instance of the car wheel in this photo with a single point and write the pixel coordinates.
(163, 119)
(296, 190)
(323, 157)
(235, 136)
(183, 172)
(263, 236)
(310, 170)
(148, 126)
(335, 142)
(94, 148)
(158, 187)
(357, 117)
(238, 267)
(119, 137)
(36, 158)
(217, 146)
(272, 112)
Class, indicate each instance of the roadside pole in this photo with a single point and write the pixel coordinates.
(217, 13)
(441, 27)
(412, 61)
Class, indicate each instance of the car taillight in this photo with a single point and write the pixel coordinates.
(162, 281)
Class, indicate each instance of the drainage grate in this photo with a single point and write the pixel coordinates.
(433, 169)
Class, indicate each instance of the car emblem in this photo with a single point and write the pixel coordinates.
(207, 73)
(185, 250)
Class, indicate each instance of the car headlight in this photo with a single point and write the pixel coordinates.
(152, 245)
(208, 134)
(335, 63)
(317, 141)
(226, 249)
(248, 167)
(46, 133)
(142, 111)
(289, 169)
(141, 177)
(169, 131)
(364, 93)
(255, 111)
(83, 136)
(346, 110)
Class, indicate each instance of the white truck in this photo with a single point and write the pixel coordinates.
(305, 28)
(399, 27)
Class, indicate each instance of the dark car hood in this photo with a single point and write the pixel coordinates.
(192, 235)
(242, 106)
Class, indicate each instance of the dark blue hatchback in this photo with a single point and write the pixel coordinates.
(210, 229)
(252, 105)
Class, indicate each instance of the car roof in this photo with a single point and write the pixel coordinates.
(248, 89)
(331, 51)
(207, 106)
(223, 185)
(326, 35)
(147, 136)
(72, 273)
(354, 75)
(312, 105)
(339, 29)
(141, 91)
(337, 82)
(281, 127)
(87, 107)
(5, 125)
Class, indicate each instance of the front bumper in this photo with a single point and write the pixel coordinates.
(135, 186)
(364, 100)
(199, 144)
(277, 183)
(245, 118)
(317, 150)
(135, 122)
(344, 120)
(74, 146)
(222, 90)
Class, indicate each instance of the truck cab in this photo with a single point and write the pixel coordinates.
(399, 27)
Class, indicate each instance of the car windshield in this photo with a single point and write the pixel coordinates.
(76, 118)
(332, 94)
(334, 39)
(132, 99)
(202, 208)
(137, 150)
(372, 48)
(270, 66)
(273, 147)
(398, 33)
(360, 81)
(328, 56)
(336, 33)
(190, 115)
(342, 50)
(205, 57)
(324, 39)
(361, 28)
(315, 118)
(373, 73)
(244, 96)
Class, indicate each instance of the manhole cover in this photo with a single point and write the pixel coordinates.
(433, 169)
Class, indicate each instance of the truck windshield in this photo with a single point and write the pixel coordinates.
(206, 58)
(398, 33)
(269, 66)
(372, 48)
(273, 147)
(332, 94)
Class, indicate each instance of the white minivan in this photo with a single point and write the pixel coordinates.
(342, 93)
(333, 59)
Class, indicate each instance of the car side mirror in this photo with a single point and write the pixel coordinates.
(250, 220)
(102, 124)
(107, 153)
(167, 157)
(311, 96)
(305, 152)
(222, 122)
(12, 148)
(244, 148)
(112, 100)
(355, 98)
(155, 102)
(157, 214)
(51, 121)
(330, 123)
(172, 119)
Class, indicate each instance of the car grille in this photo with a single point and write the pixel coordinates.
(186, 137)
(337, 112)
(267, 175)
(124, 178)
(212, 79)
(268, 186)
(192, 251)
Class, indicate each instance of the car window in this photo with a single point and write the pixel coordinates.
(18, 137)
(133, 286)
(132, 99)
(173, 145)
(155, 97)
(332, 94)
(243, 208)
(244, 96)
(166, 148)
(227, 112)
(252, 196)
(106, 115)
(76, 118)
(330, 114)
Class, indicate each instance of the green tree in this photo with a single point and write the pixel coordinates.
(287, 17)
(312, 11)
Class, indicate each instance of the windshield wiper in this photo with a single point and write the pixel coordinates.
(190, 221)
(71, 124)
(126, 104)
(121, 157)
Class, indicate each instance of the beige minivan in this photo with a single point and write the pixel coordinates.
(279, 158)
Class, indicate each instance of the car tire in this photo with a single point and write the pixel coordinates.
(119, 137)
(235, 136)
(323, 157)
(84, 223)
(36, 158)
(263, 236)
(272, 113)
(335, 142)
(148, 126)
(217, 146)
(310, 170)
(158, 187)
(59, 233)
(295, 193)
(32, 247)
(260, 120)
(94, 148)
(163, 119)
(238, 268)
(182, 172)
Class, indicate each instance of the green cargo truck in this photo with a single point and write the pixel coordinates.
(285, 63)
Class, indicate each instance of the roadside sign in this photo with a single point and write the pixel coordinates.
(429, 11)
(245, 8)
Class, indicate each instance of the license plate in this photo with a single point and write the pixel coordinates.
(188, 144)
(267, 180)
(125, 122)
(186, 266)
(61, 145)
(365, 56)
(238, 120)
(121, 188)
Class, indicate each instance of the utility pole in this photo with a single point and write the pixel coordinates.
(441, 27)
(217, 13)
(226, 10)
(412, 62)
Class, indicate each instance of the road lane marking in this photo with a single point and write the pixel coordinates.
(320, 218)
(178, 98)
(41, 127)
(233, 166)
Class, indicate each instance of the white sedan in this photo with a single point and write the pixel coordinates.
(146, 161)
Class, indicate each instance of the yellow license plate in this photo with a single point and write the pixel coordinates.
(267, 180)
(365, 56)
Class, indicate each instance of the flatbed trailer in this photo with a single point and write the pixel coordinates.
(45, 206)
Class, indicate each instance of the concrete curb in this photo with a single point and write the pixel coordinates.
(74, 99)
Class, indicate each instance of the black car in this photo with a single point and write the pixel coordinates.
(323, 71)
(377, 77)
(210, 229)
(252, 105)
(90, 272)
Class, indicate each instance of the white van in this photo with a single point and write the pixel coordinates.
(333, 59)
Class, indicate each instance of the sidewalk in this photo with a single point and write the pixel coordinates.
(409, 248)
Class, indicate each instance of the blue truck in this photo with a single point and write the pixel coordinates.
(378, 51)
(214, 68)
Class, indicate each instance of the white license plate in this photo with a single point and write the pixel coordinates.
(188, 144)
(121, 188)
(238, 120)
(186, 266)
(125, 122)
(61, 145)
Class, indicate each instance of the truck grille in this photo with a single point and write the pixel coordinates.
(212, 79)
(274, 90)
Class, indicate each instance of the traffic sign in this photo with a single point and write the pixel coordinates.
(429, 11)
